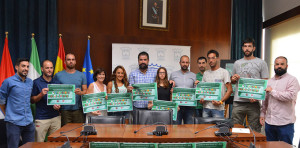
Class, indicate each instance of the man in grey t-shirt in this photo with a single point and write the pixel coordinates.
(248, 67)
(184, 79)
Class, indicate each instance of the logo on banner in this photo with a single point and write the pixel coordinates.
(161, 54)
(125, 53)
(177, 54)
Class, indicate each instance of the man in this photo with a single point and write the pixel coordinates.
(219, 75)
(72, 113)
(278, 110)
(185, 79)
(201, 62)
(47, 117)
(248, 67)
(15, 104)
(142, 75)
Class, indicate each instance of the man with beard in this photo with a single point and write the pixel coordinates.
(72, 113)
(201, 62)
(47, 117)
(183, 78)
(142, 75)
(15, 104)
(278, 110)
(248, 67)
(216, 74)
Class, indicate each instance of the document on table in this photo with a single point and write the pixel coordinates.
(241, 130)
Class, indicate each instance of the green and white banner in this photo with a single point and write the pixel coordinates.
(93, 102)
(252, 88)
(166, 105)
(184, 96)
(119, 102)
(144, 91)
(209, 91)
(61, 94)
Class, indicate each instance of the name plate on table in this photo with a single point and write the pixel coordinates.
(61, 94)
(184, 96)
(176, 145)
(119, 102)
(209, 91)
(252, 88)
(211, 145)
(93, 102)
(166, 105)
(138, 145)
(144, 91)
(104, 145)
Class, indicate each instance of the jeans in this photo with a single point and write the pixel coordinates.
(198, 112)
(186, 114)
(14, 132)
(280, 133)
(212, 113)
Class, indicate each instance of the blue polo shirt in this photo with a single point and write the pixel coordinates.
(43, 111)
(15, 93)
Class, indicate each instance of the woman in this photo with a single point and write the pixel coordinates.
(164, 88)
(96, 87)
(118, 84)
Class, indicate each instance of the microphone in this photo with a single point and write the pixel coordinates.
(66, 144)
(251, 144)
(160, 130)
(89, 130)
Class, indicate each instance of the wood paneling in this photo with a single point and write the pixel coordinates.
(202, 24)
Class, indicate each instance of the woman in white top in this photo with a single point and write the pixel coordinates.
(118, 84)
(96, 87)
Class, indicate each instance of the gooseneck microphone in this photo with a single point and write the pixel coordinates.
(251, 144)
(160, 130)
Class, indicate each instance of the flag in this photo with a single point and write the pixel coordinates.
(87, 65)
(6, 68)
(60, 64)
(34, 64)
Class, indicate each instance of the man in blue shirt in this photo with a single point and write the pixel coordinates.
(15, 104)
(47, 117)
(72, 113)
(142, 75)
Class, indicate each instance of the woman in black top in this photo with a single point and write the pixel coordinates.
(164, 88)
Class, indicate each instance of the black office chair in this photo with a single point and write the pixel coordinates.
(107, 119)
(152, 116)
(213, 120)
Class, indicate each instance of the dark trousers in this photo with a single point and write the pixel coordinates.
(3, 139)
(71, 116)
(13, 133)
(186, 114)
(280, 133)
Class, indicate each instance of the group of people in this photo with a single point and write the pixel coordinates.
(277, 111)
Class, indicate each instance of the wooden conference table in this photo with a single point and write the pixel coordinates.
(125, 133)
(277, 144)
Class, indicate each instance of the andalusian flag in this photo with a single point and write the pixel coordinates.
(60, 60)
(34, 64)
(87, 65)
(6, 67)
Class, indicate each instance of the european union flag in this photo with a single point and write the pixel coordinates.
(87, 66)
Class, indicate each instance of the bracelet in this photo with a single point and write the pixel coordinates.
(221, 102)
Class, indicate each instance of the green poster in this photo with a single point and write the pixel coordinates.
(229, 68)
(94, 102)
(184, 96)
(252, 88)
(166, 105)
(104, 145)
(209, 91)
(176, 145)
(119, 102)
(211, 145)
(61, 94)
(138, 145)
(144, 91)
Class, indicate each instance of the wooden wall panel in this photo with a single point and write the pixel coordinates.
(202, 24)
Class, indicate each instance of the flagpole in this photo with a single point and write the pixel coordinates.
(89, 37)
(60, 35)
(6, 34)
(32, 34)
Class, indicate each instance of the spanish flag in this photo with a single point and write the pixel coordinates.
(6, 68)
(60, 60)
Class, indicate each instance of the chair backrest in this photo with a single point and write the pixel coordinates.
(107, 119)
(212, 120)
(152, 116)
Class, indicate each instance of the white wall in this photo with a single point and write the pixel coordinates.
(272, 8)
